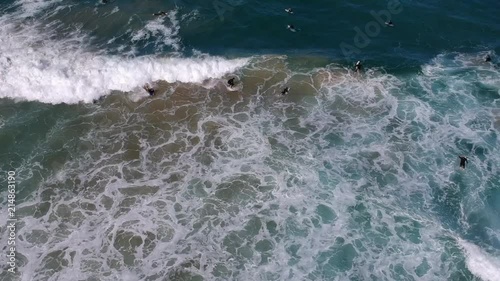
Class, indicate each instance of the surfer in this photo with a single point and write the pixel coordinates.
(150, 90)
(359, 67)
(463, 160)
(389, 23)
(291, 27)
(230, 82)
(289, 10)
(487, 58)
(160, 13)
(99, 99)
(285, 91)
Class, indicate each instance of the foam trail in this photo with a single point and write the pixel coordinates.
(32, 7)
(479, 263)
(166, 35)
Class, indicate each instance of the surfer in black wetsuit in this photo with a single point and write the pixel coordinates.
(160, 13)
(285, 91)
(289, 10)
(95, 101)
(389, 23)
(230, 82)
(149, 89)
(487, 58)
(291, 27)
(359, 67)
(463, 160)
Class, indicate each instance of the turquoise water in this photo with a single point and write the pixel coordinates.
(348, 177)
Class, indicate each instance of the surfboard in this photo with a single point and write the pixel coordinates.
(235, 88)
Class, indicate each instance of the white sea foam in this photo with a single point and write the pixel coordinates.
(480, 263)
(51, 77)
(32, 7)
(37, 64)
(61, 71)
(205, 194)
(470, 67)
(160, 31)
(115, 10)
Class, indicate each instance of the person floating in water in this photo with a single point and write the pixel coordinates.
(291, 28)
(150, 90)
(389, 23)
(95, 101)
(285, 91)
(160, 13)
(463, 160)
(487, 58)
(230, 82)
(289, 10)
(104, 1)
(359, 67)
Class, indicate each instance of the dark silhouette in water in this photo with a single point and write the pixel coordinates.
(289, 10)
(359, 67)
(487, 58)
(150, 90)
(291, 27)
(285, 91)
(160, 13)
(230, 82)
(463, 160)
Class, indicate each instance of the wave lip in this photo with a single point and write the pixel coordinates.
(70, 79)
(39, 63)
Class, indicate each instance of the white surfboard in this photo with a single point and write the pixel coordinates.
(235, 88)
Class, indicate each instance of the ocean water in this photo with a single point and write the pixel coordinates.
(348, 177)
